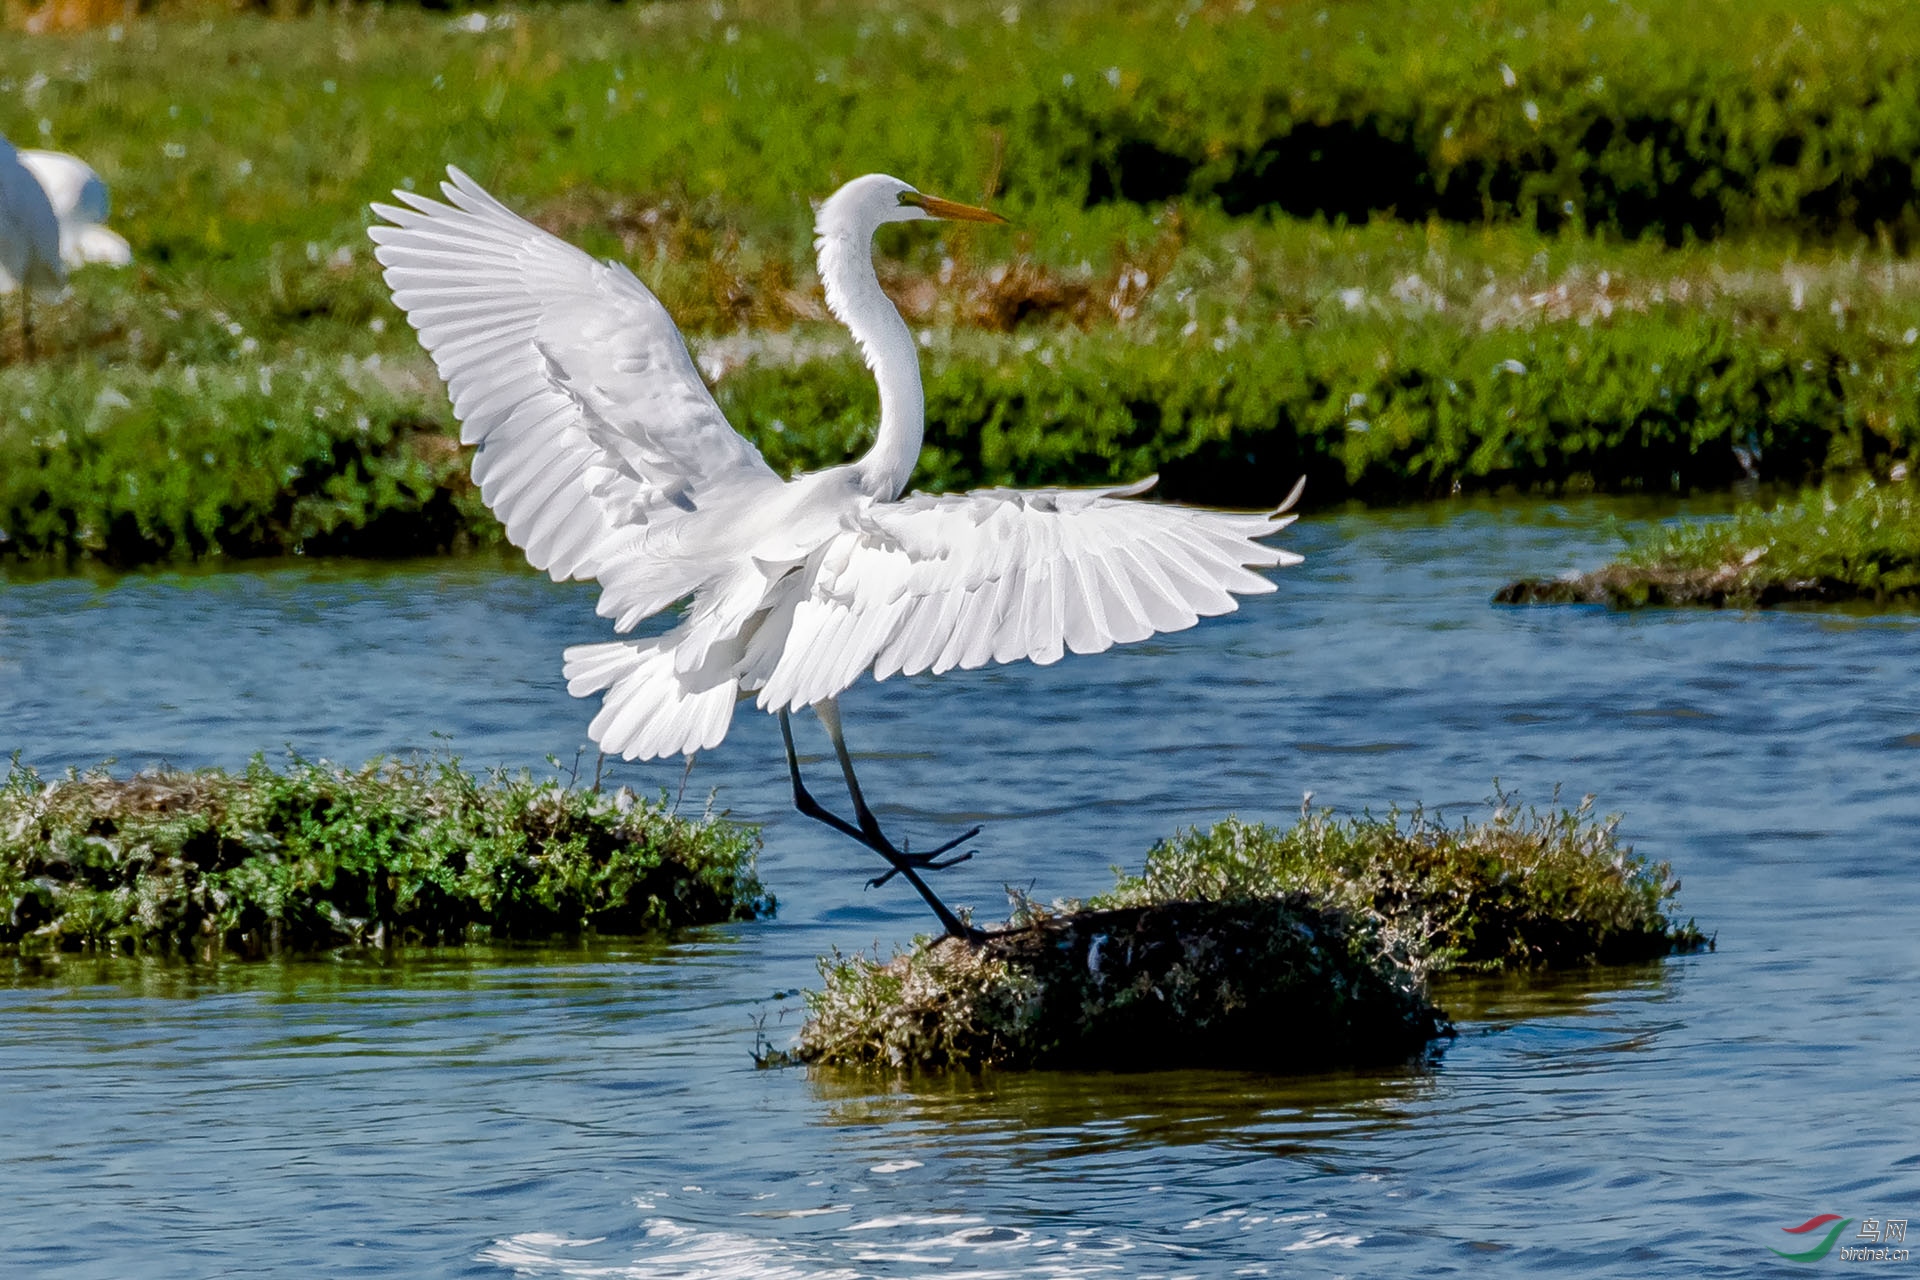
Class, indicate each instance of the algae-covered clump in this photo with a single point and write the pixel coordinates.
(1278, 984)
(317, 855)
(1245, 945)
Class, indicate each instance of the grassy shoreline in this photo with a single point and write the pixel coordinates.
(315, 856)
(1842, 544)
(359, 458)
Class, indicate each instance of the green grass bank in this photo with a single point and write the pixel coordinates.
(1845, 544)
(315, 856)
(1491, 248)
(1244, 945)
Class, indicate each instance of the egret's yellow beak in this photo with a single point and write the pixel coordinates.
(951, 210)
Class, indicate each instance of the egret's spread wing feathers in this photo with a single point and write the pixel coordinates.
(568, 374)
(960, 580)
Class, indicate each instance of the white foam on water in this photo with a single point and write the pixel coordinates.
(1328, 1239)
(680, 1253)
(822, 1211)
(913, 1220)
(987, 1238)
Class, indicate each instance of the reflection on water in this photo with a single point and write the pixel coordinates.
(1104, 1115)
(593, 1110)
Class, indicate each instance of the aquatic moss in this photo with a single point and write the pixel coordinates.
(1281, 984)
(316, 855)
(1840, 544)
(1524, 888)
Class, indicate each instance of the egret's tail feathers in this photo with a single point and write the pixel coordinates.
(650, 710)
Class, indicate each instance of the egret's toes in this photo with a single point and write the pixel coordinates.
(954, 843)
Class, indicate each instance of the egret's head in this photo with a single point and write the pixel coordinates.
(856, 209)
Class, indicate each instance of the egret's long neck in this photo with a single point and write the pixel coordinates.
(855, 298)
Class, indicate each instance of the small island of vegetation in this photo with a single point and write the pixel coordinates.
(314, 856)
(1842, 544)
(1246, 945)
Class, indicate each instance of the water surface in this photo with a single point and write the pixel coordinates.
(595, 1112)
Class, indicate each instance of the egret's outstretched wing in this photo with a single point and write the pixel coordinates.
(961, 580)
(568, 374)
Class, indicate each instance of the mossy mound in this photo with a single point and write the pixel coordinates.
(1279, 985)
(1835, 545)
(317, 856)
(1521, 889)
(1247, 946)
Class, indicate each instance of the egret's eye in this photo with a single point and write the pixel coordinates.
(912, 199)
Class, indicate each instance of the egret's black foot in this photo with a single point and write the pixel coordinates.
(928, 861)
(866, 830)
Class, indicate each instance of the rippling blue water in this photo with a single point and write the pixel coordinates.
(596, 1113)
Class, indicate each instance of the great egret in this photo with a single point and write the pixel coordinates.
(605, 456)
(29, 239)
(79, 200)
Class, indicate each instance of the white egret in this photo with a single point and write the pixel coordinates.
(604, 454)
(80, 205)
(29, 239)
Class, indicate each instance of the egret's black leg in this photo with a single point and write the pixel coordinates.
(829, 713)
(803, 799)
(868, 832)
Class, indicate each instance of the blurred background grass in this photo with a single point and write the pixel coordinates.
(1406, 249)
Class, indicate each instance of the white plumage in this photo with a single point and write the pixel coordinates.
(605, 456)
(29, 231)
(29, 240)
(80, 207)
(51, 208)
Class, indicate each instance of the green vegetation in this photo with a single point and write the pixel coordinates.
(1245, 945)
(1728, 115)
(1856, 543)
(1522, 889)
(312, 459)
(315, 856)
(1549, 248)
